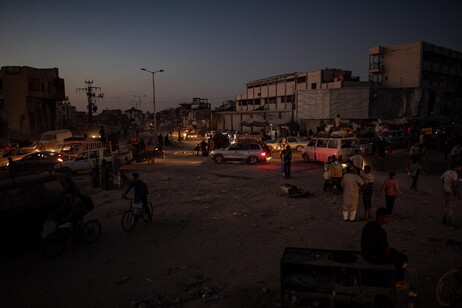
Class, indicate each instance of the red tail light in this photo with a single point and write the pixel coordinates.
(263, 154)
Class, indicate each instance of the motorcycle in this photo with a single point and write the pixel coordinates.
(333, 176)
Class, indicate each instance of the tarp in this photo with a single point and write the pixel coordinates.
(350, 103)
(253, 122)
(280, 121)
(401, 121)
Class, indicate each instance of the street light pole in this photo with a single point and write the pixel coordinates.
(153, 98)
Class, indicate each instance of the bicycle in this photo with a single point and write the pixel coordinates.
(58, 241)
(134, 213)
(449, 286)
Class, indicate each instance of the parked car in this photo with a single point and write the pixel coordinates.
(251, 153)
(294, 142)
(39, 161)
(25, 204)
(320, 148)
(16, 155)
(398, 138)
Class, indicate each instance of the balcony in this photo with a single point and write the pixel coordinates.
(375, 68)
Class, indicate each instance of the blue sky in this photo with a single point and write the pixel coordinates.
(209, 49)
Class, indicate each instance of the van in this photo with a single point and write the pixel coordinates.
(51, 138)
(320, 148)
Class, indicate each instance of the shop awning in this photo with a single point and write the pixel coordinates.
(253, 122)
(280, 122)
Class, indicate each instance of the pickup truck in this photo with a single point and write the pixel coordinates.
(82, 161)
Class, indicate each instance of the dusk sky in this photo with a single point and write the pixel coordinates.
(209, 49)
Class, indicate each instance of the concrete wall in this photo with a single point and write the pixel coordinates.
(30, 96)
(401, 66)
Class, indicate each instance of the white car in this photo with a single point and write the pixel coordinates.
(294, 142)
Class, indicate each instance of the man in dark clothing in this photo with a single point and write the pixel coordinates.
(160, 141)
(141, 192)
(376, 250)
(286, 157)
(102, 134)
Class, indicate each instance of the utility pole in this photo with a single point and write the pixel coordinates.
(91, 96)
(139, 112)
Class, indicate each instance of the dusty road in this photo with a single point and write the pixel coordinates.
(217, 237)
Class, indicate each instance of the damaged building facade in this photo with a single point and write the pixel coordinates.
(415, 80)
(29, 98)
(274, 100)
(410, 80)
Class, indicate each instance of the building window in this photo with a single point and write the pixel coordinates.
(1, 84)
(283, 99)
(301, 79)
(272, 100)
(313, 86)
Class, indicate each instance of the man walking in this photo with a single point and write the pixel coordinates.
(376, 250)
(449, 179)
(367, 190)
(286, 157)
(358, 161)
(351, 184)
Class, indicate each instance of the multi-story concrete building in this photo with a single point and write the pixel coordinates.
(196, 114)
(277, 99)
(65, 114)
(415, 79)
(28, 99)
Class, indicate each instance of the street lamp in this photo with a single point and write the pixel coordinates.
(153, 97)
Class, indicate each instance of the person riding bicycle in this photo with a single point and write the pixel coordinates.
(141, 192)
(71, 210)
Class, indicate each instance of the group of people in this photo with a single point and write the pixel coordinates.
(374, 243)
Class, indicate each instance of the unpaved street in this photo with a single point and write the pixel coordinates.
(217, 237)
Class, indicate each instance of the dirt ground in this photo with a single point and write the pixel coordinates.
(217, 237)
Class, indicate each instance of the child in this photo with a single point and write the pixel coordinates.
(414, 171)
(391, 188)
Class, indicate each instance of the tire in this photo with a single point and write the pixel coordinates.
(306, 158)
(54, 244)
(218, 159)
(449, 288)
(91, 231)
(151, 161)
(128, 221)
(147, 217)
(299, 148)
(253, 160)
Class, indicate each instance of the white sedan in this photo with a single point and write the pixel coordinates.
(294, 142)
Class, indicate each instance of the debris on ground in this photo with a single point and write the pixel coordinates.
(150, 301)
(120, 279)
(199, 279)
(292, 191)
(207, 292)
